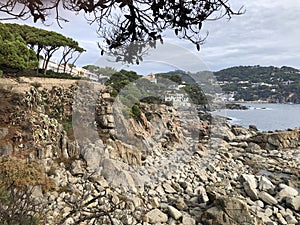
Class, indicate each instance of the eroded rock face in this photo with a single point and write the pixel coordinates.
(278, 140)
(127, 153)
(162, 178)
(119, 177)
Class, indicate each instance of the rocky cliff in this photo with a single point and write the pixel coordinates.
(168, 166)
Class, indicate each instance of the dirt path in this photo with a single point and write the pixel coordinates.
(23, 84)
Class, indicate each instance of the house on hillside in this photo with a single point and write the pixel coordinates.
(75, 71)
(178, 99)
(151, 77)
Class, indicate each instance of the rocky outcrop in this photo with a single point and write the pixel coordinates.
(278, 140)
(128, 153)
(229, 211)
(230, 189)
(235, 106)
(167, 167)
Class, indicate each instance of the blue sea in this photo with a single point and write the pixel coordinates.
(266, 117)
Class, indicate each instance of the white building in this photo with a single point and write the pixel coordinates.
(178, 99)
(74, 71)
(151, 77)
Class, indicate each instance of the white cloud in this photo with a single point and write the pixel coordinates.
(267, 34)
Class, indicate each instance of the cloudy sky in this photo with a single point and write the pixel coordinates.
(267, 34)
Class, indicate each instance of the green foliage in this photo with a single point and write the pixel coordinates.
(106, 71)
(14, 52)
(252, 83)
(68, 125)
(151, 100)
(195, 94)
(193, 90)
(53, 74)
(171, 76)
(120, 79)
(21, 46)
(21, 174)
(49, 74)
(36, 85)
(125, 23)
(136, 112)
(1, 73)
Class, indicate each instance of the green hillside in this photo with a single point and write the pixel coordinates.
(253, 83)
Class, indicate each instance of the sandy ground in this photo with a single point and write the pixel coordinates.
(23, 84)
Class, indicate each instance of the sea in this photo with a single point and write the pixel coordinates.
(265, 116)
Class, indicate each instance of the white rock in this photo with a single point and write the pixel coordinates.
(187, 220)
(156, 216)
(118, 177)
(265, 184)
(176, 214)
(269, 212)
(260, 203)
(203, 198)
(287, 191)
(267, 198)
(160, 190)
(251, 191)
(293, 202)
(180, 204)
(290, 219)
(155, 202)
(168, 188)
(250, 179)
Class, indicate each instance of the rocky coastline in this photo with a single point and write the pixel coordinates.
(236, 106)
(167, 167)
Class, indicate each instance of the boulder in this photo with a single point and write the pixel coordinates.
(223, 132)
(293, 202)
(93, 155)
(156, 216)
(251, 191)
(168, 188)
(290, 219)
(188, 220)
(265, 184)
(278, 140)
(173, 212)
(117, 176)
(228, 211)
(77, 168)
(287, 191)
(253, 148)
(202, 198)
(267, 198)
(241, 132)
(250, 179)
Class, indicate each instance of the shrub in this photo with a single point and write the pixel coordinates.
(136, 112)
(36, 85)
(18, 178)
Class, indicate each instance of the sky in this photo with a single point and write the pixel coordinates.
(267, 34)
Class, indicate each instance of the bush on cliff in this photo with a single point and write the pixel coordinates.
(18, 180)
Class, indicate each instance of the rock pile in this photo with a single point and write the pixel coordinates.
(236, 186)
(165, 171)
